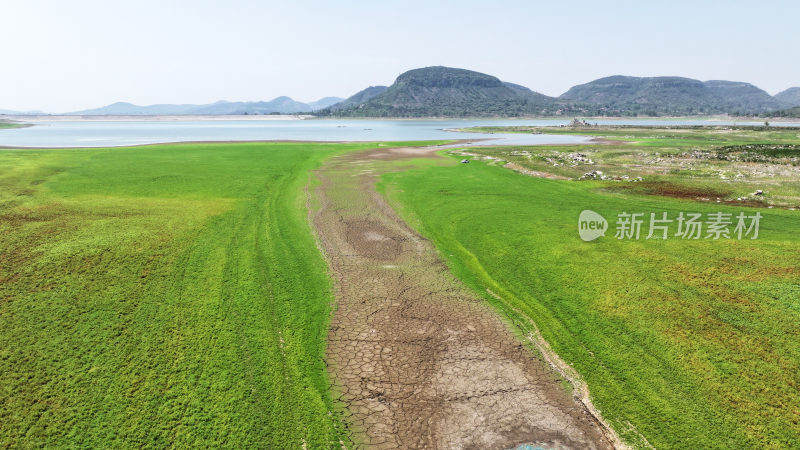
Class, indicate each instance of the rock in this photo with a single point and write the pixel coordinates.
(576, 123)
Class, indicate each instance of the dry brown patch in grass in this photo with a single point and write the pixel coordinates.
(419, 359)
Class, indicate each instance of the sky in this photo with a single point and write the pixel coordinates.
(61, 56)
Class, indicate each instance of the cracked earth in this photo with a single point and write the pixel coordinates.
(418, 359)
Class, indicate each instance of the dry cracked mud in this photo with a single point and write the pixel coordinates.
(418, 359)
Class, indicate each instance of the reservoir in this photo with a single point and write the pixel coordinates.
(110, 132)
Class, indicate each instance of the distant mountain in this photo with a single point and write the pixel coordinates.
(740, 96)
(324, 103)
(283, 105)
(20, 113)
(450, 92)
(669, 95)
(129, 109)
(359, 97)
(790, 97)
(447, 92)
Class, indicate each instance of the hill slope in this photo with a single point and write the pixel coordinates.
(448, 92)
(790, 97)
(670, 95)
(359, 97)
(740, 96)
(791, 113)
(324, 103)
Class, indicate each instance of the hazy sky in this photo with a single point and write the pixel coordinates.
(64, 55)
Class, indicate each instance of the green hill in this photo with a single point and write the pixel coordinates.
(359, 98)
(739, 96)
(448, 92)
(790, 97)
(669, 95)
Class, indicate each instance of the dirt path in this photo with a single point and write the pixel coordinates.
(421, 361)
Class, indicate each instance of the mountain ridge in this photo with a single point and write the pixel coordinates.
(670, 95)
(9, 112)
(282, 105)
(439, 91)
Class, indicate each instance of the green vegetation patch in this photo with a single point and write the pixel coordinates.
(5, 124)
(761, 152)
(682, 343)
(166, 295)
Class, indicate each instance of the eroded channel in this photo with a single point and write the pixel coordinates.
(420, 360)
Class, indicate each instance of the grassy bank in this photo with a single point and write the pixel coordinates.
(4, 124)
(167, 295)
(682, 343)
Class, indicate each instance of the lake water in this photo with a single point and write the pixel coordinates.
(99, 133)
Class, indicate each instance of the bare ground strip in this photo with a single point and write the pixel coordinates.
(419, 360)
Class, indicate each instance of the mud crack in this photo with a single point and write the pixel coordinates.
(420, 360)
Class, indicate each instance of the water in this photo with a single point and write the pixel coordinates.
(101, 133)
(94, 133)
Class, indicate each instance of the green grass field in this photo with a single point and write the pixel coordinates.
(687, 344)
(173, 295)
(166, 295)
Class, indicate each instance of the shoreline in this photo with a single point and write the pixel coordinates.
(291, 117)
(138, 118)
(451, 142)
